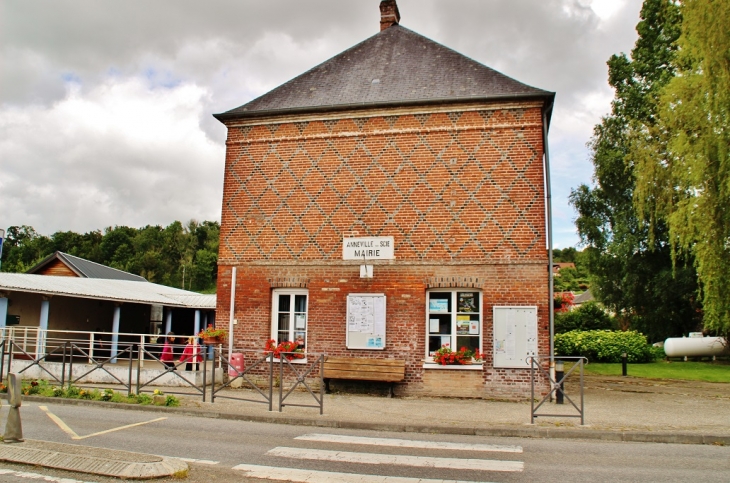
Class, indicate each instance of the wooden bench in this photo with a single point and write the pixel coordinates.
(364, 369)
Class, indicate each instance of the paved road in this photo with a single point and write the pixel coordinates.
(222, 450)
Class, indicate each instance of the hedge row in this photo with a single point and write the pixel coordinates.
(605, 345)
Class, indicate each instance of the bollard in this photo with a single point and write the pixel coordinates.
(13, 427)
(559, 371)
(624, 360)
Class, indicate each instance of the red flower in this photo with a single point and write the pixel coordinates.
(291, 350)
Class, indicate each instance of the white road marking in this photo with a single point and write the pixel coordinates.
(66, 429)
(37, 476)
(401, 460)
(193, 460)
(407, 443)
(308, 476)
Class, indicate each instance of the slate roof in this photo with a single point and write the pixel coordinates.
(86, 268)
(586, 296)
(394, 67)
(106, 289)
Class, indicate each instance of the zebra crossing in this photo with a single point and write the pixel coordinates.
(348, 454)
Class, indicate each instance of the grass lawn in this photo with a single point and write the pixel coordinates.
(688, 371)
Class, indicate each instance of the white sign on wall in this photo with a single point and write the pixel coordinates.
(515, 336)
(366, 321)
(368, 248)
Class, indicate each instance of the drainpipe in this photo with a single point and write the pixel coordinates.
(231, 319)
(549, 208)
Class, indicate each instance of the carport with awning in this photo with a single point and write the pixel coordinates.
(101, 305)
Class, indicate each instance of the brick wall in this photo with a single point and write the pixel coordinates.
(454, 185)
(460, 189)
(405, 290)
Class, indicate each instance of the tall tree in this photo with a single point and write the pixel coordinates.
(683, 159)
(161, 255)
(629, 259)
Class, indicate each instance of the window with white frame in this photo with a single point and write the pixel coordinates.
(289, 316)
(454, 319)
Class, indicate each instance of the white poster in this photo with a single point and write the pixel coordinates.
(366, 321)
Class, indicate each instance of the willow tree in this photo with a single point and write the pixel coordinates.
(628, 257)
(682, 162)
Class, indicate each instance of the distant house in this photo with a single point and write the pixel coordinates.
(586, 296)
(561, 265)
(61, 264)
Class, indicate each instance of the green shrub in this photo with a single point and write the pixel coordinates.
(73, 392)
(144, 399)
(171, 401)
(31, 388)
(58, 392)
(604, 345)
(107, 395)
(589, 316)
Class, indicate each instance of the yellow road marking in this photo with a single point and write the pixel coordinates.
(64, 427)
(59, 423)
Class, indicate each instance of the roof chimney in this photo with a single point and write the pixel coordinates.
(389, 14)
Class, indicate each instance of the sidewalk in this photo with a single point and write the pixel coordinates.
(616, 409)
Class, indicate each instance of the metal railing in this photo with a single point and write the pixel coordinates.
(36, 342)
(257, 373)
(557, 387)
(257, 370)
(300, 373)
(171, 368)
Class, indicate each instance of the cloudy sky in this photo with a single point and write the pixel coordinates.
(106, 106)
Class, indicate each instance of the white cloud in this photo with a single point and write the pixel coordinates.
(106, 113)
(121, 153)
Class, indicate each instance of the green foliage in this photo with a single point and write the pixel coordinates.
(604, 345)
(628, 256)
(171, 401)
(571, 279)
(176, 255)
(589, 316)
(683, 159)
(73, 392)
(30, 388)
(143, 398)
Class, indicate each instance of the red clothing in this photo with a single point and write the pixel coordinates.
(167, 354)
(191, 354)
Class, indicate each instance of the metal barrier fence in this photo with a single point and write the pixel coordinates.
(254, 369)
(171, 368)
(557, 387)
(97, 345)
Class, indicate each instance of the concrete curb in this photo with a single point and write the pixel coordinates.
(638, 436)
(96, 461)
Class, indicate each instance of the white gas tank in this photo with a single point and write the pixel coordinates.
(695, 346)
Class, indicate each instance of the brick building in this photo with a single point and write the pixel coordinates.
(404, 156)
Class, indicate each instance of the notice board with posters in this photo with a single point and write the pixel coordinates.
(515, 336)
(366, 321)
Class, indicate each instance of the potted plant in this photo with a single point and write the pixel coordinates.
(290, 350)
(213, 336)
(445, 356)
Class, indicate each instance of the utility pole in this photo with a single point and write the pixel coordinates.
(2, 238)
